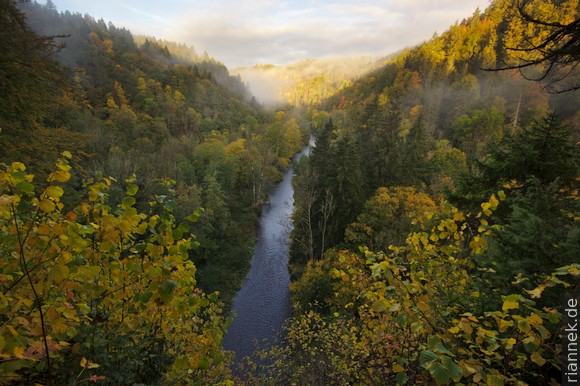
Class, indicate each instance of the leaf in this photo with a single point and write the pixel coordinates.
(493, 202)
(18, 352)
(60, 176)
(67, 154)
(128, 202)
(427, 357)
(454, 370)
(402, 378)
(536, 293)
(423, 306)
(132, 189)
(504, 324)
(509, 305)
(536, 357)
(54, 191)
(25, 187)
(46, 205)
(440, 373)
(535, 319)
(92, 365)
(501, 195)
(485, 206)
(454, 330)
(397, 368)
(379, 305)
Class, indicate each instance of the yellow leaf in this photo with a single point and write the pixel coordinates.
(501, 195)
(85, 208)
(467, 368)
(18, 352)
(508, 305)
(84, 362)
(537, 292)
(67, 154)
(454, 330)
(397, 368)
(510, 342)
(93, 365)
(535, 319)
(536, 357)
(466, 326)
(18, 166)
(46, 206)
(493, 202)
(485, 206)
(60, 176)
(504, 324)
(54, 191)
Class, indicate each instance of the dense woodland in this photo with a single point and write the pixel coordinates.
(307, 82)
(436, 223)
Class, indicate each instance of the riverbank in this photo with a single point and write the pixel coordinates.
(262, 305)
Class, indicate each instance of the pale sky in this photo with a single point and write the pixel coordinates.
(248, 32)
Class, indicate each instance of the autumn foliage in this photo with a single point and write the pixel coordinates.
(99, 290)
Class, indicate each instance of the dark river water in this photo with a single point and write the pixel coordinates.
(263, 303)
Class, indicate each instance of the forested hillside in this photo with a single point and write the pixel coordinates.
(438, 209)
(436, 230)
(306, 82)
(159, 111)
(162, 158)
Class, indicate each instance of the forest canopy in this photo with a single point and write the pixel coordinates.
(436, 223)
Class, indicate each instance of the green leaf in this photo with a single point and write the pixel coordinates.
(454, 369)
(427, 357)
(171, 204)
(402, 378)
(440, 373)
(128, 202)
(132, 189)
(25, 187)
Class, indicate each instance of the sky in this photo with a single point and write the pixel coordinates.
(247, 32)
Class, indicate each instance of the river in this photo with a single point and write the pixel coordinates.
(263, 303)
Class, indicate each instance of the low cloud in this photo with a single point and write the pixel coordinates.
(246, 33)
(242, 33)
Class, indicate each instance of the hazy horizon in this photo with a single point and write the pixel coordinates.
(282, 32)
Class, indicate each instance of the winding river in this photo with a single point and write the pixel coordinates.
(263, 303)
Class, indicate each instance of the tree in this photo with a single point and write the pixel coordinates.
(389, 216)
(30, 75)
(545, 151)
(553, 47)
(538, 169)
(99, 291)
(416, 313)
(32, 86)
